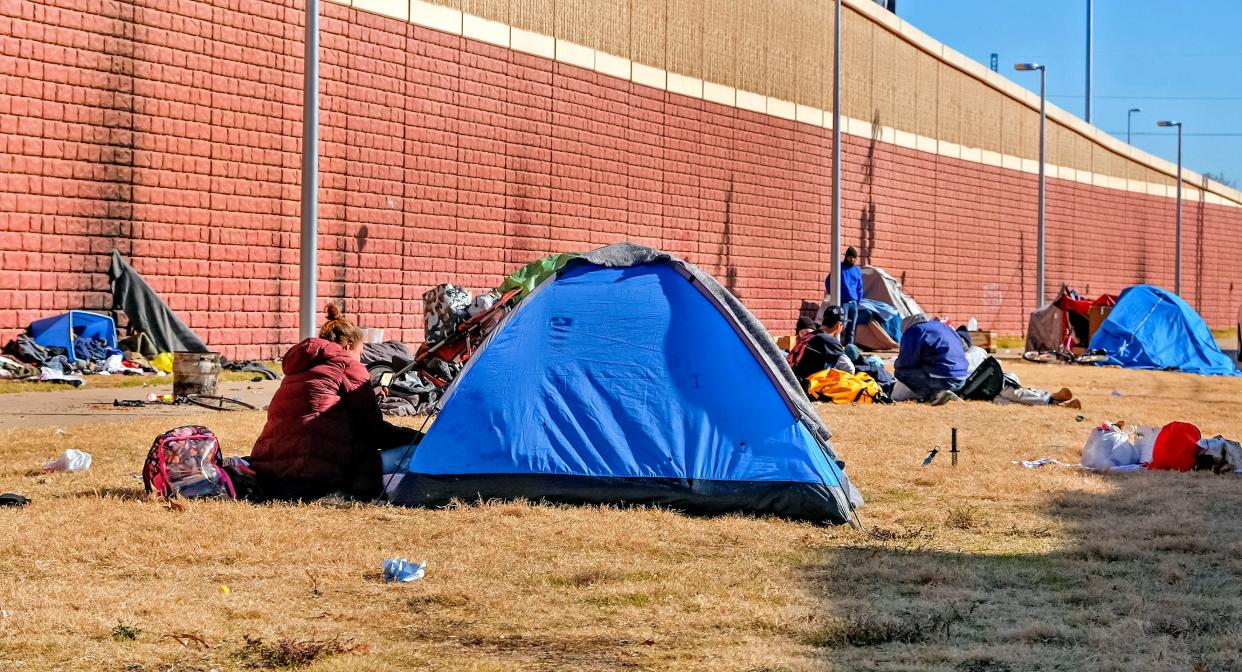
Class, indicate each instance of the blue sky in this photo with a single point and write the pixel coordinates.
(1177, 60)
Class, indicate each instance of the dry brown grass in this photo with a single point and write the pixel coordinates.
(118, 381)
(984, 567)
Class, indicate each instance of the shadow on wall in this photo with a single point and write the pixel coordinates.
(726, 243)
(866, 214)
(1143, 583)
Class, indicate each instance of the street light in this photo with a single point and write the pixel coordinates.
(834, 288)
(1043, 100)
(1090, 31)
(308, 275)
(1129, 116)
(1177, 253)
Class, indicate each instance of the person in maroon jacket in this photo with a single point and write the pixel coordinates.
(324, 428)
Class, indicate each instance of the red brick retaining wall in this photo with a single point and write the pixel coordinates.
(171, 131)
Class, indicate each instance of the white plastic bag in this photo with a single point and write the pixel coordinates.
(1145, 442)
(72, 460)
(1108, 447)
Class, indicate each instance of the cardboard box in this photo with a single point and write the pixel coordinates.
(984, 339)
(786, 342)
(1095, 317)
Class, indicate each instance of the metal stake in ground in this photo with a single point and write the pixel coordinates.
(953, 448)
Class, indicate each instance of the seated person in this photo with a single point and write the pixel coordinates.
(820, 349)
(1012, 392)
(931, 363)
(324, 429)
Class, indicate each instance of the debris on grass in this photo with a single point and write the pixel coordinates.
(961, 518)
(125, 632)
(871, 629)
(292, 653)
(188, 639)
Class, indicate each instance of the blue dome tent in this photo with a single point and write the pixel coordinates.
(1152, 328)
(630, 377)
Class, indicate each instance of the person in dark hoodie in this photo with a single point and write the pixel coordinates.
(820, 349)
(324, 428)
(931, 362)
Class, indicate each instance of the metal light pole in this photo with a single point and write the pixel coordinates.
(1090, 30)
(1043, 117)
(309, 272)
(1130, 116)
(1177, 254)
(835, 256)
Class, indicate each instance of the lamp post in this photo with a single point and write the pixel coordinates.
(309, 262)
(835, 255)
(1090, 30)
(1177, 252)
(1129, 117)
(1043, 116)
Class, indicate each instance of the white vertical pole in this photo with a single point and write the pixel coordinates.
(1039, 275)
(309, 272)
(835, 254)
(1090, 30)
(1177, 273)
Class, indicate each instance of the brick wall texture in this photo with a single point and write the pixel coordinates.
(171, 131)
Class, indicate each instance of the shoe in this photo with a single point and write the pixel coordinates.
(1072, 403)
(1062, 395)
(943, 397)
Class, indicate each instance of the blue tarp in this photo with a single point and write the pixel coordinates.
(887, 316)
(1151, 328)
(622, 384)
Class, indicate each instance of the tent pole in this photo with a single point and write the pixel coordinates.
(309, 271)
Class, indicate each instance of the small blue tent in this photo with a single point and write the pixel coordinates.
(630, 376)
(1151, 328)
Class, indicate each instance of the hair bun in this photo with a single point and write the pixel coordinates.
(334, 313)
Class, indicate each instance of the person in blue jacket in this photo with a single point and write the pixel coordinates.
(932, 360)
(851, 293)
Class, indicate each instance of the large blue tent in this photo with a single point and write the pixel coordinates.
(1152, 328)
(630, 377)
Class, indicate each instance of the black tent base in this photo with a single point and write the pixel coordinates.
(811, 502)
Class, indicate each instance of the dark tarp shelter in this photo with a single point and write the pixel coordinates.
(147, 312)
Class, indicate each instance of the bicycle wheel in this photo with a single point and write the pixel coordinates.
(219, 403)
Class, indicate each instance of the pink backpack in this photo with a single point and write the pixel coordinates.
(187, 462)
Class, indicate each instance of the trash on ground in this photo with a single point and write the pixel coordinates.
(1035, 464)
(1177, 446)
(13, 499)
(403, 571)
(71, 460)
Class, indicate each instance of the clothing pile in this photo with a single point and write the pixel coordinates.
(409, 394)
(25, 359)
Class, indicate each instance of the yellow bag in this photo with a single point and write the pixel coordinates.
(840, 387)
(163, 362)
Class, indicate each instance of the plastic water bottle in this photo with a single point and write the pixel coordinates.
(403, 571)
(972, 325)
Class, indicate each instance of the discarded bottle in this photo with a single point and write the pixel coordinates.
(403, 571)
(164, 398)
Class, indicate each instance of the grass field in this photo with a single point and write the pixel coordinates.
(986, 566)
(119, 381)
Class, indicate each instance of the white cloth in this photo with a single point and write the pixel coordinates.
(974, 357)
(1025, 396)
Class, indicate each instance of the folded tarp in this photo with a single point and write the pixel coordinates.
(147, 312)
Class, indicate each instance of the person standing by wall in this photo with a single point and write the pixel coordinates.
(851, 294)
